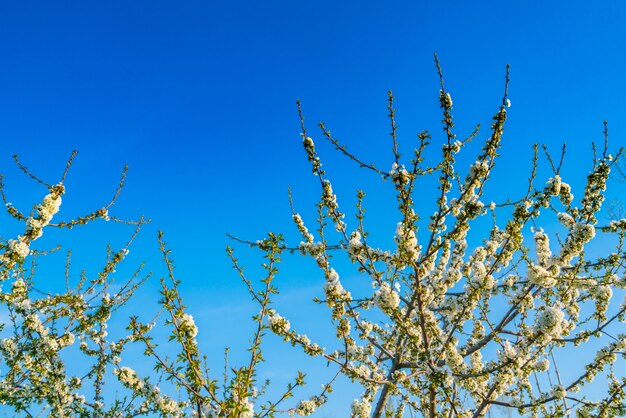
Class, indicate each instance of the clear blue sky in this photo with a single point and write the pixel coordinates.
(198, 98)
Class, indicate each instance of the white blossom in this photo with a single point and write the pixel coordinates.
(19, 248)
(386, 298)
(361, 409)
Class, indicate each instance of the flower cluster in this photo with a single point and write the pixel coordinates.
(154, 400)
(129, 378)
(329, 200)
(278, 324)
(309, 147)
(408, 248)
(549, 323)
(361, 408)
(540, 276)
(355, 246)
(307, 407)
(386, 298)
(18, 249)
(186, 325)
(399, 174)
(445, 99)
(303, 229)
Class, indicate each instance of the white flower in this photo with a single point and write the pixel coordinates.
(168, 406)
(19, 248)
(278, 324)
(332, 276)
(554, 185)
(549, 323)
(540, 276)
(248, 408)
(386, 298)
(558, 392)
(542, 365)
(104, 214)
(508, 351)
(306, 407)
(399, 174)
(187, 325)
(542, 245)
(613, 226)
(52, 203)
(355, 246)
(302, 228)
(67, 339)
(565, 219)
(407, 242)
(19, 288)
(129, 377)
(361, 409)
(601, 293)
(9, 345)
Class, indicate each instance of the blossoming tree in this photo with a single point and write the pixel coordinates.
(457, 321)
(451, 328)
(58, 359)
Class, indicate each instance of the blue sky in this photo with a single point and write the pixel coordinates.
(198, 98)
